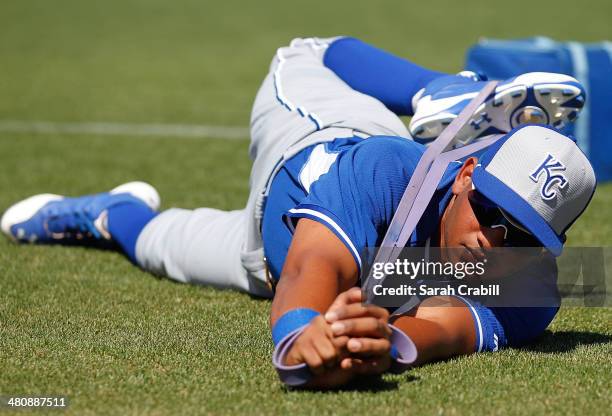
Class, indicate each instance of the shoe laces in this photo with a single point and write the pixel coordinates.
(71, 219)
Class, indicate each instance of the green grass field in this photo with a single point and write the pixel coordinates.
(115, 340)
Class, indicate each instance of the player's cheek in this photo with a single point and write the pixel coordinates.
(460, 222)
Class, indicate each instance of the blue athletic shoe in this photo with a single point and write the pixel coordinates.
(534, 97)
(49, 218)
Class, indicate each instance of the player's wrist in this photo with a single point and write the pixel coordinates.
(291, 321)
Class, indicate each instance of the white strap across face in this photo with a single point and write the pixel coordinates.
(413, 202)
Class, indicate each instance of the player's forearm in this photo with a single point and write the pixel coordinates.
(306, 289)
(306, 285)
(440, 328)
(375, 72)
(317, 269)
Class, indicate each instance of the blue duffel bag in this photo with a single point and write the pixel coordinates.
(589, 63)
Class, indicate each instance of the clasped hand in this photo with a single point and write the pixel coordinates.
(350, 339)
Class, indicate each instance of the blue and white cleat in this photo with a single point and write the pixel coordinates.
(534, 97)
(50, 218)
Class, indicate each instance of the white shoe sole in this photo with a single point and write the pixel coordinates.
(500, 111)
(23, 211)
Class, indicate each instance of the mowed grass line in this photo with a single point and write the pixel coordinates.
(198, 62)
(115, 340)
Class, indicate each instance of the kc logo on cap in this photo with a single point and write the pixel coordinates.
(548, 166)
(540, 178)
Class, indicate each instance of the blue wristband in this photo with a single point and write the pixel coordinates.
(290, 321)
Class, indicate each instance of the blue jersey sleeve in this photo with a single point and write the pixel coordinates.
(514, 326)
(357, 197)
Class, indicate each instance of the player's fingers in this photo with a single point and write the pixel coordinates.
(340, 342)
(312, 359)
(355, 310)
(327, 351)
(369, 347)
(362, 327)
(370, 366)
(352, 295)
(341, 300)
(347, 363)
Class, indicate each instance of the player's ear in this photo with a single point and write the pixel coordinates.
(463, 180)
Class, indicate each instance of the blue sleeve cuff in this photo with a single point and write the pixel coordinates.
(490, 334)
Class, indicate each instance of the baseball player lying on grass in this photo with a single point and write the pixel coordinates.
(331, 160)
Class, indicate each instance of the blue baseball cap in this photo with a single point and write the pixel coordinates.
(539, 177)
